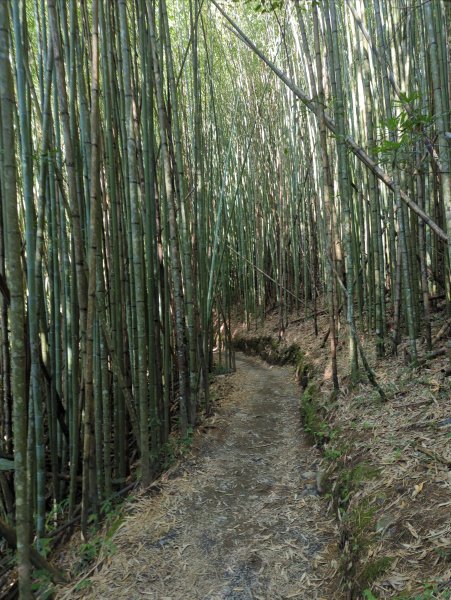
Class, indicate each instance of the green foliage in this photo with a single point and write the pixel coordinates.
(312, 415)
(360, 519)
(44, 546)
(263, 6)
(187, 441)
(113, 518)
(88, 551)
(358, 528)
(350, 479)
(42, 585)
(397, 453)
(408, 127)
(59, 509)
(430, 592)
(101, 538)
(8, 556)
(83, 585)
(387, 146)
(374, 569)
(175, 448)
(444, 553)
(331, 454)
(168, 454)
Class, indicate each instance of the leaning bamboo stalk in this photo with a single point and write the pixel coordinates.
(330, 124)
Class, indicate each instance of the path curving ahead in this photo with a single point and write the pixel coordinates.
(242, 520)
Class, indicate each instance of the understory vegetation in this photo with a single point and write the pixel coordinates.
(169, 168)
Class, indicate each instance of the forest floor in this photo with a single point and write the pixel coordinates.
(386, 465)
(240, 518)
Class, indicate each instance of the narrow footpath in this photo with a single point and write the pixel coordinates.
(241, 520)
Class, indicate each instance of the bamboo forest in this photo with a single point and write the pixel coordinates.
(225, 295)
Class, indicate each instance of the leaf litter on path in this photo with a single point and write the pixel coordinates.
(238, 521)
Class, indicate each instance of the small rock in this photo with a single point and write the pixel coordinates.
(309, 490)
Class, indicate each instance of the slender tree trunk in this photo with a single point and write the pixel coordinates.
(89, 454)
(15, 276)
(183, 394)
(328, 192)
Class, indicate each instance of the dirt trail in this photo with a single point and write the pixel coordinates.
(242, 520)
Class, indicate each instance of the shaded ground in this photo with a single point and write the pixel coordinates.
(241, 520)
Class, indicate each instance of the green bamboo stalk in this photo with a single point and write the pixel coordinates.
(15, 275)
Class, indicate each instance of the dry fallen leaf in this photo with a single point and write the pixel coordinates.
(412, 530)
(397, 581)
(418, 489)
